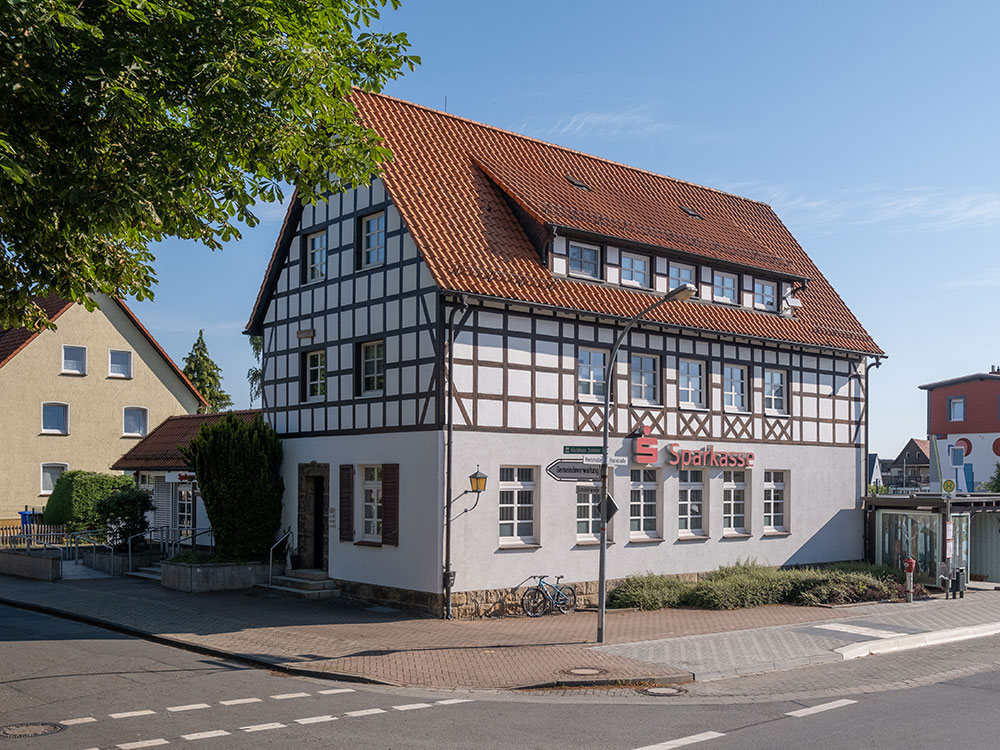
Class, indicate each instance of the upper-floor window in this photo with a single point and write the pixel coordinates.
(590, 373)
(55, 418)
(119, 364)
(724, 287)
(774, 391)
(690, 383)
(681, 274)
(135, 421)
(765, 296)
(635, 269)
(316, 257)
(372, 368)
(584, 260)
(644, 378)
(517, 504)
(956, 409)
(373, 240)
(315, 375)
(50, 475)
(74, 360)
(734, 387)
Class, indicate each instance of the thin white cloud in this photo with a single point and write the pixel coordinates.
(987, 278)
(632, 123)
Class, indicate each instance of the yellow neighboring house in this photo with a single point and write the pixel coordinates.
(80, 396)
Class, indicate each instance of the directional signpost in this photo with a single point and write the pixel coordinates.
(610, 508)
(573, 470)
(612, 460)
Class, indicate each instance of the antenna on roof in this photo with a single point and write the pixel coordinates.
(445, 102)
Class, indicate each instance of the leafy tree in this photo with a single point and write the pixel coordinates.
(993, 483)
(123, 514)
(877, 489)
(75, 496)
(127, 121)
(205, 375)
(238, 464)
(255, 375)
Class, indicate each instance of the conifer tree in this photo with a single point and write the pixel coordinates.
(206, 376)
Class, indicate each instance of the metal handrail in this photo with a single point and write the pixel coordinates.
(270, 555)
(74, 541)
(143, 534)
(97, 544)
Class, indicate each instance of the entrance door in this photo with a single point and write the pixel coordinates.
(319, 524)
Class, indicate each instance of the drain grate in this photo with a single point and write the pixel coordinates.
(663, 691)
(584, 671)
(35, 729)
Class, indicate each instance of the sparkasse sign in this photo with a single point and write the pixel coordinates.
(647, 451)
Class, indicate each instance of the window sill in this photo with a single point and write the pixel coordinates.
(518, 545)
(132, 435)
(591, 543)
(583, 275)
(738, 412)
(368, 543)
(73, 374)
(777, 414)
(736, 535)
(371, 266)
(645, 540)
(692, 537)
(693, 407)
(53, 432)
(645, 405)
(776, 533)
(372, 394)
(312, 282)
(119, 377)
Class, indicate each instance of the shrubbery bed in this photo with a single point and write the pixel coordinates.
(749, 584)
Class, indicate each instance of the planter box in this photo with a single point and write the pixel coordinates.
(41, 566)
(195, 578)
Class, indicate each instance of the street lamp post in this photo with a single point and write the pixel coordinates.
(681, 293)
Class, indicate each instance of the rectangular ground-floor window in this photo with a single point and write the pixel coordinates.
(371, 488)
(775, 501)
(50, 475)
(588, 512)
(517, 504)
(734, 502)
(642, 504)
(690, 508)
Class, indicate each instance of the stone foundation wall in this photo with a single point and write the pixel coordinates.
(421, 601)
(41, 566)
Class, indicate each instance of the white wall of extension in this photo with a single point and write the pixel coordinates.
(823, 520)
(416, 563)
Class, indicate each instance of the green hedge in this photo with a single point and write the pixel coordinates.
(75, 495)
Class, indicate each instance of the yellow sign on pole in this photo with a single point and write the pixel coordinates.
(948, 488)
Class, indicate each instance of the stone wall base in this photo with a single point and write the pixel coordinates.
(41, 566)
(389, 596)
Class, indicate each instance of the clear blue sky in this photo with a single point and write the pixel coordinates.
(871, 128)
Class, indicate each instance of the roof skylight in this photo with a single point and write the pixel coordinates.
(577, 183)
(692, 213)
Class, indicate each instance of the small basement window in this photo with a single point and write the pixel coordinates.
(577, 183)
(692, 213)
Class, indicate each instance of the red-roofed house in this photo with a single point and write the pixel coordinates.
(529, 257)
(79, 396)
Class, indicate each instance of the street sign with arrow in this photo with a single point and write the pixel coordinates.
(566, 470)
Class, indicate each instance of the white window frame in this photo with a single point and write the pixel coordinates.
(776, 493)
(377, 376)
(523, 494)
(954, 401)
(629, 272)
(685, 499)
(316, 255)
(582, 262)
(734, 398)
(595, 373)
(145, 413)
(187, 504)
(377, 245)
(111, 353)
(676, 276)
(734, 496)
(371, 499)
(762, 299)
(315, 375)
(644, 482)
(719, 287)
(639, 378)
(42, 417)
(685, 391)
(775, 404)
(588, 513)
(63, 369)
(41, 482)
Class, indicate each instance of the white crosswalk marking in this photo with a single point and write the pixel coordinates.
(366, 712)
(190, 707)
(315, 719)
(412, 706)
(820, 708)
(690, 740)
(205, 735)
(144, 743)
(334, 691)
(82, 720)
(843, 627)
(239, 701)
(263, 727)
(286, 696)
(130, 714)
(453, 701)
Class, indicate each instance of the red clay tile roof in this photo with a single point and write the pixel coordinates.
(454, 182)
(923, 445)
(160, 448)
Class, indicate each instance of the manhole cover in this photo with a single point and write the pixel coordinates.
(585, 671)
(15, 731)
(661, 691)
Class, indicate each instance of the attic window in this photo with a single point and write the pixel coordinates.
(577, 183)
(692, 213)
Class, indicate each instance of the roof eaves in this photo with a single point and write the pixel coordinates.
(35, 334)
(270, 280)
(962, 379)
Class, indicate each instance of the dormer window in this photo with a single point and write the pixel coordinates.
(681, 274)
(584, 260)
(724, 287)
(765, 295)
(635, 270)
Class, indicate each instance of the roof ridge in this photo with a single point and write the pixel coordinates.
(567, 149)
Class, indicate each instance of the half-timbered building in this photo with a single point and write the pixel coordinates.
(458, 314)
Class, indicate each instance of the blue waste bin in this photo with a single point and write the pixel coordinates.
(27, 517)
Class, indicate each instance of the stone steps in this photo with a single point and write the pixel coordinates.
(304, 584)
(148, 573)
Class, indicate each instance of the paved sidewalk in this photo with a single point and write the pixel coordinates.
(339, 638)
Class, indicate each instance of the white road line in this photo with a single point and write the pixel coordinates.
(130, 714)
(239, 701)
(843, 627)
(412, 706)
(691, 740)
(144, 743)
(82, 720)
(286, 696)
(190, 707)
(820, 708)
(453, 701)
(334, 691)
(205, 735)
(366, 712)
(315, 719)
(263, 727)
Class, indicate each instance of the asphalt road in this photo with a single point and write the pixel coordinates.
(111, 691)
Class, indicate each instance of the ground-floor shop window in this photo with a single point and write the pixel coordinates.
(734, 502)
(775, 501)
(588, 512)
(371, 488)
(690, 508)
(517, 504)
(642, 504)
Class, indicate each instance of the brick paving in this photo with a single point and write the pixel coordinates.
(343, 638)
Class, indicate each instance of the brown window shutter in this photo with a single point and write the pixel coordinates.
(346, 503)
(390, 504)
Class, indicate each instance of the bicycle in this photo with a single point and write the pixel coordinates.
(545, 597)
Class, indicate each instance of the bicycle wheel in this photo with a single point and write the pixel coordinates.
(534, 602)
(566, 601)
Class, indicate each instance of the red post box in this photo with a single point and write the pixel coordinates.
(909, 565)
